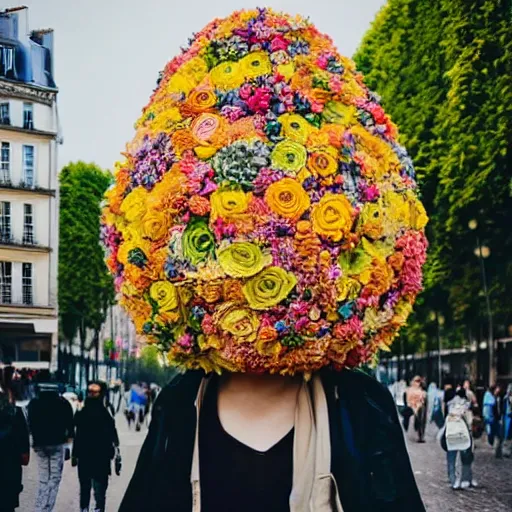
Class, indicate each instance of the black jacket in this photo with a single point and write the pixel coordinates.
(95, 439)
(14, 442)
(50, 419)
(369, 458)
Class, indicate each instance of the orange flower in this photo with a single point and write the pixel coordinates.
(232, 290)
(199, 100)
(140, 311)
(136, 277)
(199, 205)
(183, 140)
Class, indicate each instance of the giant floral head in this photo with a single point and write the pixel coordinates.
(265, 218)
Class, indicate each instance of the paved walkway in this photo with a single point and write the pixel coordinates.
(494, 476)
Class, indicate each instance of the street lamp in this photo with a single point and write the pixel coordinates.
(482, 253)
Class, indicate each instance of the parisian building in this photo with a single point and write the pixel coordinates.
(29, 137)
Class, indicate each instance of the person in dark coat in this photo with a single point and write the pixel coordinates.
(369, 459)
(14, 452)
(96, 444)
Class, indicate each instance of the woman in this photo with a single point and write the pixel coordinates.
(507, 422)
(457, 439)
(253, 239)
(417, 401)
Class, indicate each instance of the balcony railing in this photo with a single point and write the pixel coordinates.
(23, 185)
(5, 121)
(28, 242)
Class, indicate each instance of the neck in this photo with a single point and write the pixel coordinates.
(264, 385)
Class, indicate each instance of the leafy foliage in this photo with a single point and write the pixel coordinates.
(85, 287)
(444, 71)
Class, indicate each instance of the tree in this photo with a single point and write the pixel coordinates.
(444, 71)
(85, 286)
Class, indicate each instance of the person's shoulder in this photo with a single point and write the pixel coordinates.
(361, 385)
(183, 387)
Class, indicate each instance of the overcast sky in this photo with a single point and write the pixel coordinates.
(108, 54)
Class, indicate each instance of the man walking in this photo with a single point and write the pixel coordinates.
(50, 420)
(96, 444)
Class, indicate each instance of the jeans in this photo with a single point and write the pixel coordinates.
(466, 458)
(99, 485)
(492, 428)
(50, 460)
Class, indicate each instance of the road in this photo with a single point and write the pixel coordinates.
(493, 495)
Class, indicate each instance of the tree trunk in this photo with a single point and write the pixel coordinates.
(97, 354)
(83, 334)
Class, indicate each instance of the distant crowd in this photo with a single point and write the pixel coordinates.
(63, 425)
(460, 417)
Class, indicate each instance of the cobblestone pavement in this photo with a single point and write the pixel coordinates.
(494, 477)
(429, 463)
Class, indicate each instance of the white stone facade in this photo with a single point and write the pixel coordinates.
(29, 137)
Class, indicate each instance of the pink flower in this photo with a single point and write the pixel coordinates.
(207, 324)
(232, 113)
(185, 341)
(336, 84)
(278, 43)
(317, 107)
(209, 187)
(322, 61)
(301, 323)
(369, 193)
(259, 102)
(246, 91)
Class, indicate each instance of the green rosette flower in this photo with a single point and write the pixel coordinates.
(242, 259)
(269, 288)
(198, 241)
(289, 156)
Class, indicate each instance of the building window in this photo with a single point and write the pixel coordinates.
(28, 116)
(28, 225)
(5, 163)
(5, 221)
(5, 282)
(7, 62)
(28, 165)
(5, 118)
(28, 298)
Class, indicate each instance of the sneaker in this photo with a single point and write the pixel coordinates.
(456, 485)
(474, 483)
(465, 485)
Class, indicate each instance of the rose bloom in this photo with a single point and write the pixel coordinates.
(199, 205)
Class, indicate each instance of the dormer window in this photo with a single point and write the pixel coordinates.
(7, 62)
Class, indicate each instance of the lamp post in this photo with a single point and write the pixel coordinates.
(439, 320)
(482, 252)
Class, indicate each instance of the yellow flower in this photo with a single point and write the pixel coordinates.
(348, 288)
(228, 75)
(228, 203)
(418, 216)
(256, 64)
(165, 119)
(238, 320)
(371, 220)
(187, 77)
(332, 216)
(165, 295)
(338, 112)
(287, 198)
(242, 259)
(286, 70)
(295, 127)
(155, 225)
(134, 204)
(323, 162)
(289, 156)
(124, 251)
(269, 288)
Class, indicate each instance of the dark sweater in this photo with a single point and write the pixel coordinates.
(50, 419)
(369, 458)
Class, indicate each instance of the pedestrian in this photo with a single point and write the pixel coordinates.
(51, 424)
(14, 451)
(493, 410)
(137, 405)
(417, 401)
(435, 403)
(507, 422)
(457, 439)
(96, 445)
